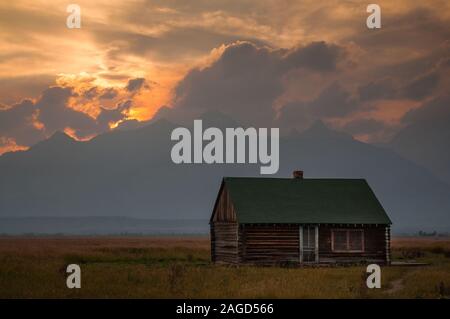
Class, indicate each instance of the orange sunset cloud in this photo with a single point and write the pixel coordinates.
(133, 60)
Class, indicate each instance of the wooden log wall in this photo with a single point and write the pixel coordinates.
(374, 245)
(268, 244)
(275, 244)
(224, 243)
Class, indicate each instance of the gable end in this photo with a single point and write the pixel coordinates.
(223, 208)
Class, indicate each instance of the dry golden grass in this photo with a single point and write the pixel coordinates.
(167, 267)
(422, 242)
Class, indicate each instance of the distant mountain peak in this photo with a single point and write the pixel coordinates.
(159, 123)
(319, 125)
(57, 139)
(214, 114)
(320, 130)
(128, 125)
(60, 136)
(218, 119)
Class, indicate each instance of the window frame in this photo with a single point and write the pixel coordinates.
(347, 235)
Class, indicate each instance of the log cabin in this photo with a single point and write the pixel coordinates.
(298, 221)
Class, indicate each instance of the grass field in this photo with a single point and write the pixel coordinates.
(169, 267)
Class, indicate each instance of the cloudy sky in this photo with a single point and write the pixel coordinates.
(265, 63)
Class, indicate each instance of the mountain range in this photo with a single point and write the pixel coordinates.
(130, 173)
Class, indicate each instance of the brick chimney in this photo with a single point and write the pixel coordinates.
(298, 174)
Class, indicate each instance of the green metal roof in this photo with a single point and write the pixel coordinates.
(315, 201)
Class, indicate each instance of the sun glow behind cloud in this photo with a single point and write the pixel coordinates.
(162, 42)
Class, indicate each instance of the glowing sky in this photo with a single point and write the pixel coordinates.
(304, 60)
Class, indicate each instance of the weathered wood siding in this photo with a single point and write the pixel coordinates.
(224, 230)
(224, 243)
(374, 245)
(224, 210)
(268, 244)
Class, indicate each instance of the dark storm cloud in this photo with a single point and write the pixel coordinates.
(108, 116)
(413, 47)
(245, 81)
(56, 115)
(113, 76)
(435, 111)
(333, 101)
(375, 90)
(91, 92)
(17, 122)
(294, 115)
(421, 86)
(135, 84)
(425, 135)
(318, 56)
(125, 105)
(363, 126)
(28, 122)
(108, 94)
(405, 30)
(416, 80)
(404, 70)
(95, 92)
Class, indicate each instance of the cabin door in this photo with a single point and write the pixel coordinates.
(309, 244)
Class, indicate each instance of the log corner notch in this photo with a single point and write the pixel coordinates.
(279, 221)
(388, 245)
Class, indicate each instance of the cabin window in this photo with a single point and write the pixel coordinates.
(347, 240)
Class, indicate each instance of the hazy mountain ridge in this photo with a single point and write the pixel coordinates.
(111, 225)
(425, 137)
(130, 173)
